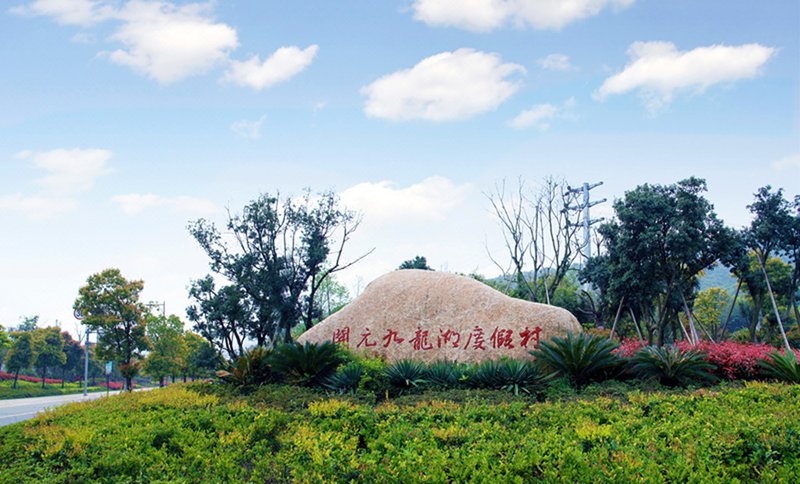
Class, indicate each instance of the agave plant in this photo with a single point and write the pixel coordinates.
(346, 380)
(251, 369)
(405, 374)
(445, 374)
(782, 366)
(307, 365)
(486, 374)
(581, 358)
(671, 366)
(520, 376)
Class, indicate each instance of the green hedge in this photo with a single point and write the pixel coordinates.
(177, 434)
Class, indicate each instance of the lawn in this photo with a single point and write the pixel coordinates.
(26, 389)
(200, 432)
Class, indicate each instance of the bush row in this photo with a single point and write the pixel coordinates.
(746, 433)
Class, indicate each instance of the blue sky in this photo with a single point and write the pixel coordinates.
(121, 121)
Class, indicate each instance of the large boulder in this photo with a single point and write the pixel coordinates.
(430, 316)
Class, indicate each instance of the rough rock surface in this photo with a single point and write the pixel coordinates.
(430, 316)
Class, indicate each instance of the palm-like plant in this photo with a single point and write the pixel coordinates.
(671, 366)
(486, 374)
(251, 369)
(782, 366)
(520, 376)
(309, 364)
(581, 358)
(405, 374)
(346, 380)
(445, 374)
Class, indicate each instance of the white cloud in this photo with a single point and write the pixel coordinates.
(556, 62)
(789, 163)
(431, 199)
(281, 66)
(658, 69)
(249, 129)
(446, 86)
(169, 43)
(486, 15)
(68, 12)
(69, 170)
(134, 203)
(37, 207)
(541, 115)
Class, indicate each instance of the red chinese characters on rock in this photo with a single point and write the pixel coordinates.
(421, 340)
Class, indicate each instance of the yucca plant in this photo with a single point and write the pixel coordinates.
(486, 374)
(580, 357)
(782, 366)
(308, 364)
(672, 367)
(445, 374)
(346, 379)
(520, 376)
(406, 374)
(251, 369)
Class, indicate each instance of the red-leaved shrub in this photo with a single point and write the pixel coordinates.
(33, 379)
(733, 360)
(629, 347)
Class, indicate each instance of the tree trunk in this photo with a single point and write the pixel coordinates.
(63, 376)
(730, 312)
(128, 384)
(616, 318)
(16, 377)
(161, 382)
(636, 324)
(774, 305)
(44, 375)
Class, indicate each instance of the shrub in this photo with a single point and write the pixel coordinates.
(406, 374)
(347, 379)
(520, 376)
(252, 369)
(782, 366)
(732, 360)
(671, 366)
(308, 364)
(629, 347)
(445, 374)
(486, 374)
(581, 358)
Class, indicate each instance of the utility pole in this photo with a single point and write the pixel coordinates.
(587, 220)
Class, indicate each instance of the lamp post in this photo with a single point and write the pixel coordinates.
(79, 316)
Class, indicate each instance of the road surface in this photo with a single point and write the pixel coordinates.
(18, 409)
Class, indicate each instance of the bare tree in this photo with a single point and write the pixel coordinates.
(540, 234)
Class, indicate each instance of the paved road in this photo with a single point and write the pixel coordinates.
(18, 409)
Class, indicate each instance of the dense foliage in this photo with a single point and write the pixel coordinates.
(723, 434)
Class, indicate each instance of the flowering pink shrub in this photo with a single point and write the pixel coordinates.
(733, 360)
(629, 347)
(10, 376)
(111, 385)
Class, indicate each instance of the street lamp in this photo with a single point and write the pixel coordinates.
(79, 316)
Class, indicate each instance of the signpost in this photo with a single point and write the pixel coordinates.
(109, 367)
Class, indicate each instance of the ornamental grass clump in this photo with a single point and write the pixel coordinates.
(520, 376)
(308, 364)
(346, 379)
(671, 366)
(580, 357)
(486, 374)
(445, 374)
(782, 366)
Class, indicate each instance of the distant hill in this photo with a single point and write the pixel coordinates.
(720, 276)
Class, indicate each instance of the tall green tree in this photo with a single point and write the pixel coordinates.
(28, 323)
(791, 247)
(49, 350)
(5, 344)
(20, 357)
(111, 306)
(768, 233)
(74, 352)
(282, 250)
(418, 262)
(201, 358)
(662, 237)
(168, 353)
